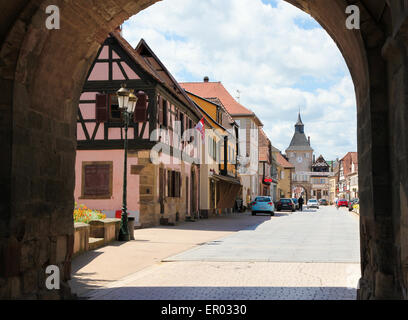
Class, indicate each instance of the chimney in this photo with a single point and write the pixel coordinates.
(206, 79)
(314, 158)
(308, 139)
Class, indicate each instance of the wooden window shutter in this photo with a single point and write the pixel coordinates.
(180, 184)
(97, 180)
(177, 184)
(182, 123)
(165, 113)
(166, 194)
(101, 108)
(160, 110)
(140, 114)
(169, 183)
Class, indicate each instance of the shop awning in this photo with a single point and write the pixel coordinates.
(227, 179)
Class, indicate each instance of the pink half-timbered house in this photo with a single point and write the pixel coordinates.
(156, 192)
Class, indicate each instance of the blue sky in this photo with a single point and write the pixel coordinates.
(276, 55)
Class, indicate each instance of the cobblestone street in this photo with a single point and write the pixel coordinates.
(305, 255)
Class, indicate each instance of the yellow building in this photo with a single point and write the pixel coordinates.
(285, 170)
(332, 189)
(219, 185)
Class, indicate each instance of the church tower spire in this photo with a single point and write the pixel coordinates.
(299, 126)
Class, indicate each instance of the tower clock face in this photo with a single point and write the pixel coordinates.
(299, 159)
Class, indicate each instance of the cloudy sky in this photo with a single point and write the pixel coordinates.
(277, 56)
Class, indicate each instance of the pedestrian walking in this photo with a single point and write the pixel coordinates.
(301, 201)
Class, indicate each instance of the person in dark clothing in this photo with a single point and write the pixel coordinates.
(301, 201)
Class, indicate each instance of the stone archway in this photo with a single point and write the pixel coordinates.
(307, 189)
(42, 72)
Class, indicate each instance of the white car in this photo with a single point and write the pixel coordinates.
(312, 203)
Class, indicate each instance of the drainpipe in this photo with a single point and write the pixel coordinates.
(225, 171)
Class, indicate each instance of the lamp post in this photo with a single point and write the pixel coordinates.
(127, 103)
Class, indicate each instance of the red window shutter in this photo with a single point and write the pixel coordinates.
(140, 114)
(101, 106)
(97, 180)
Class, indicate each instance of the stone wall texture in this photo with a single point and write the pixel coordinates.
(41, 75)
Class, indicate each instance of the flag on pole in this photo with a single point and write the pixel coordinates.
(200, 127)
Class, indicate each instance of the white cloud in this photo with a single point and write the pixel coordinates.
(266, 53)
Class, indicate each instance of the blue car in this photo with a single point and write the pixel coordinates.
(263, 204)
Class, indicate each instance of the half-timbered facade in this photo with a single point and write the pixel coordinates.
(157, 191)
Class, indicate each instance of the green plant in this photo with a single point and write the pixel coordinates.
(83, 214)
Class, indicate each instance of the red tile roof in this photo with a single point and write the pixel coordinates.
(283, 162)
(211, 90)
(147, 59)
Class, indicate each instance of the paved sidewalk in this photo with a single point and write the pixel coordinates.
(98, 268)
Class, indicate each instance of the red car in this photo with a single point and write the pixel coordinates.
(342, 203)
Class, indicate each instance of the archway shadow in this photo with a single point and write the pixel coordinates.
(227, 222)
(224, 293)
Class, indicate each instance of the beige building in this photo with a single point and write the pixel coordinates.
(353, 185)
(285, 171)
(249, 124)
(320, 179)
(219, 185)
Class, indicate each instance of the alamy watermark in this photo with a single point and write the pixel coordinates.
(52, 282)
(353, 20)
(53, 20)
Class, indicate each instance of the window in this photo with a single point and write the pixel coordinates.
(165, 121)
(114, 112)
(97, 180)
(182, 123)
(282, 174)
(173, 184)
(212, 148)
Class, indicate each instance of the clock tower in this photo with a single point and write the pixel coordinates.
(299, 152)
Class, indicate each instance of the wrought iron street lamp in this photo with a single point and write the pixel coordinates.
(127, 103)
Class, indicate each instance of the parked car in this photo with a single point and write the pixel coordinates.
(263, 204)
(312, 203)
(285, 204)
(296, 202)
(342, 203)
(323, 202)
(352, 202)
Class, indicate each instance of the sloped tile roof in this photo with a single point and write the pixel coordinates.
(299, 143)
(150, 63)
(283, 162)
(214, 90)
